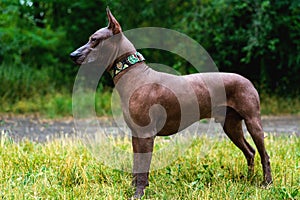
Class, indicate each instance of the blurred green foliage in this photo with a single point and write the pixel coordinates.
(258, 39)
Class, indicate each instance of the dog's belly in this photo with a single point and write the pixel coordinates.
(173, 127)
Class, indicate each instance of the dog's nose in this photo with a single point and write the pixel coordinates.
(75, 55)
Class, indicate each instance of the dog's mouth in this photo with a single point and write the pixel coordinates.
(81, 58)
(77, 58)
(79, 61)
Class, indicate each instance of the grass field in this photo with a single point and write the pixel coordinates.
(60, 105)
(65, 169)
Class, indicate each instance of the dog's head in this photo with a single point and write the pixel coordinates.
(102, 46)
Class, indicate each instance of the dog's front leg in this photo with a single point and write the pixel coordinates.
(142, 149)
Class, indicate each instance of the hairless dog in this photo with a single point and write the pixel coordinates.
(153, 103)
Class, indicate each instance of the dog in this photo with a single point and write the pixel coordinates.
(153, 103)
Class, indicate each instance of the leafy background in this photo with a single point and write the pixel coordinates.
(257, 39)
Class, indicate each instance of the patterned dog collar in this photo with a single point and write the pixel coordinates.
(129, 61)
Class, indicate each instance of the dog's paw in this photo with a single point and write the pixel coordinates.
(139, 193)
(266, 184)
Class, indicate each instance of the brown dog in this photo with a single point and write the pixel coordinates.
(159, 104)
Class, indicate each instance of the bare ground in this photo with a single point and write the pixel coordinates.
(38, 129)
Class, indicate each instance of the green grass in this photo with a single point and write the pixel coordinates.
(275, 105)
(65, 169)
(55, 105)
(25, 90)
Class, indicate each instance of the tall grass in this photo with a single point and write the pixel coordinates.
(65, 169)
(274, 105)
(24, 82)
(27, 90)
(59, 104)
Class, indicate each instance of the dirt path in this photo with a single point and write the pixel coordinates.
(40, 130)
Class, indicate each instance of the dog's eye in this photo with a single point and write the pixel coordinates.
(93, 39)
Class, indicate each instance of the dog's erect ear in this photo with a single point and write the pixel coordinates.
(113, 24)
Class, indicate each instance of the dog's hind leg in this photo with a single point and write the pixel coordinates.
(142, 149)
(255, 129)
(233, 129)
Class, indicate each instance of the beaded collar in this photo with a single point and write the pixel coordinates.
(127, 62)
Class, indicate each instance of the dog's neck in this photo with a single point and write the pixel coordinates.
(126, 48)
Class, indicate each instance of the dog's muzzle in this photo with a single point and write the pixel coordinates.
(75, 55)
